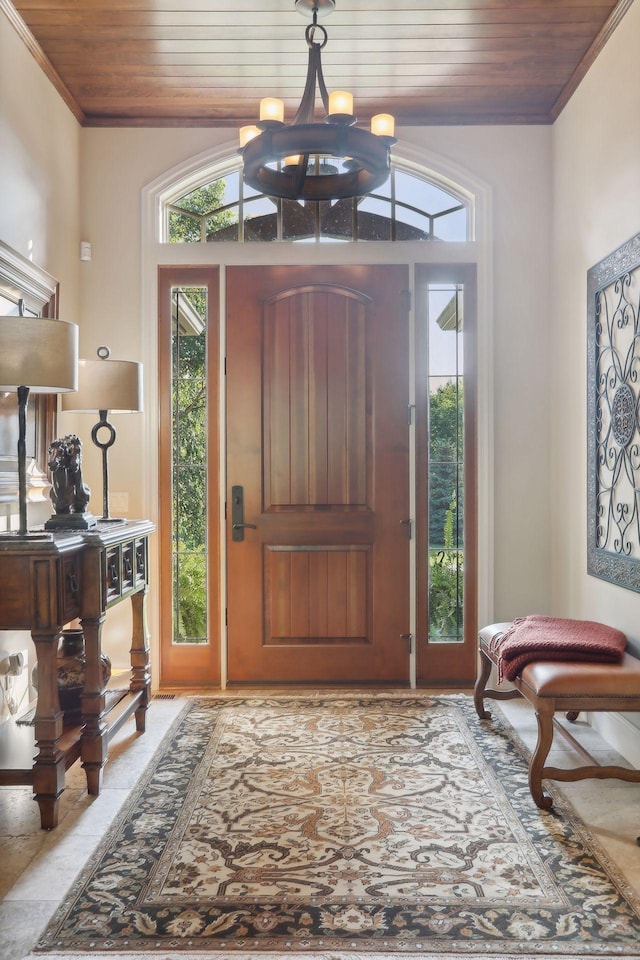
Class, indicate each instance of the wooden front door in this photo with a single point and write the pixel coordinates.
(317, 439)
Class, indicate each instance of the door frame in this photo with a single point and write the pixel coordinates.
(204, 663)
(459, 270)
(448, 663)
(172, 256)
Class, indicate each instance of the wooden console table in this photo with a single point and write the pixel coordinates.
(45, 585)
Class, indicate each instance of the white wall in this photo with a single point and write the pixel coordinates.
(39, 189)
(39, 169)
(596, 207)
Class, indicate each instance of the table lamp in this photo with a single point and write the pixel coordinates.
(37, 355)
(105, 386)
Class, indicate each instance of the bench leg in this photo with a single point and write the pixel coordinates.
(538, 757)
(480, 691)
(480, 686)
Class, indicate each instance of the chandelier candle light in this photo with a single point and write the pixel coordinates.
(306, 160)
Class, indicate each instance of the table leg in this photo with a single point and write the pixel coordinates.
(95, 739)
(140, 660)
(49, 765)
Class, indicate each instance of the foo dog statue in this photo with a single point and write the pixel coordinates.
(69, 494)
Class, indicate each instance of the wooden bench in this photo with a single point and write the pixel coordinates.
(567, 687)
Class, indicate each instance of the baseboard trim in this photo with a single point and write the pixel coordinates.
(620, 733)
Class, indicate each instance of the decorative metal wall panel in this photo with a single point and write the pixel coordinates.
(613, 417)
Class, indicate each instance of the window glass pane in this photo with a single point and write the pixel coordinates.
(222, 228)
(189, 473)
(190, 427)
(420, 193)
(298, 220)
(208, 206)
(411, 222)
(451, 226)
(183, 228)
(445, 519)
(374, 218)
(189, 506)
(189, 598)
(445, 596)
(334, 220)
(260, 217)
(446, 464)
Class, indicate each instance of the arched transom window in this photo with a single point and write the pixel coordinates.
(224, 209)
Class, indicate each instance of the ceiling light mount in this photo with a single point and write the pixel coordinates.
(323, 7)
(306, 160)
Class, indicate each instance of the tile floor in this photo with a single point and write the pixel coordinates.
(36, 867)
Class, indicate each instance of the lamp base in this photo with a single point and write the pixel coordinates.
(112, 520)
(71, 521)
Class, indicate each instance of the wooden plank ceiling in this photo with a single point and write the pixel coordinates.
(208, 62)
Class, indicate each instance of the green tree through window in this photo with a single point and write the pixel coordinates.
(446, 467)
(200, 213)
(189, 456)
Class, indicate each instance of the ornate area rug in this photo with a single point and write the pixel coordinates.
(343, 825)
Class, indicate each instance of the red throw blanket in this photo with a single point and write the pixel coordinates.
(551, 638)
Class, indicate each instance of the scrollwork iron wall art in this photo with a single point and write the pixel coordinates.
(613, 417)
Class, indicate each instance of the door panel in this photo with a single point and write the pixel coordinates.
(318, 437)
(316, 595)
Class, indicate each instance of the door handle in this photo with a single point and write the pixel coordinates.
(237, 515)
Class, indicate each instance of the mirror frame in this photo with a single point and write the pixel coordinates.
(20, 279)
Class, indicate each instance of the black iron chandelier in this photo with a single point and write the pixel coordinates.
(305, 160)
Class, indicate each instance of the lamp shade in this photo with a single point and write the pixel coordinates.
(38, 353)
(114, 385)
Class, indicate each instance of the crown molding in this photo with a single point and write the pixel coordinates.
(606, 31)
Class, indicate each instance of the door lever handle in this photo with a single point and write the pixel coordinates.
(237, 515)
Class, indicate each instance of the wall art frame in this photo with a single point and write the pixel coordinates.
(613, 417)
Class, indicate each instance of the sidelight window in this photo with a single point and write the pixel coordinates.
(445, 478)
(189, 463)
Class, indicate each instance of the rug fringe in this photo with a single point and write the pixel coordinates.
(331, 955)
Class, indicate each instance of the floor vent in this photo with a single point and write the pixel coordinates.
(164, 696)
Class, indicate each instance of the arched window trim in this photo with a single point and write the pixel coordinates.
(217, 168)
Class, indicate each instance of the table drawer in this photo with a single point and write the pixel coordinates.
(114, 573)
(126, 568)
(141, 562)
(128, 565)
